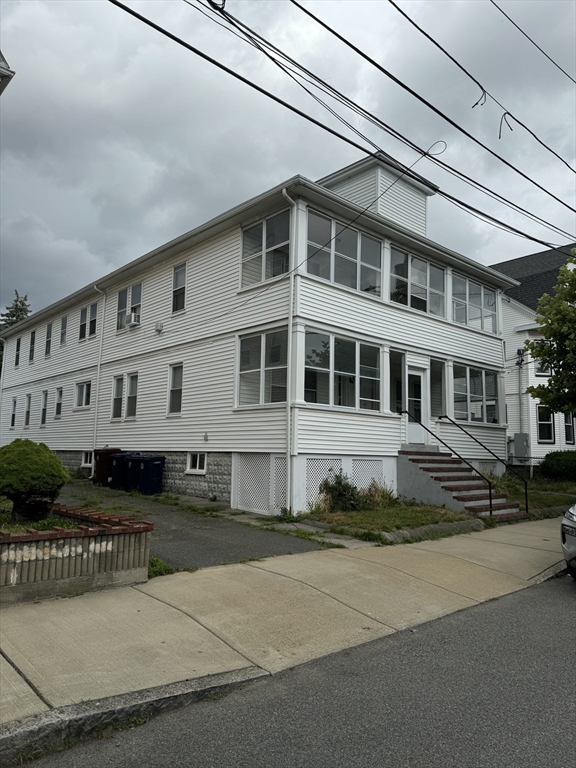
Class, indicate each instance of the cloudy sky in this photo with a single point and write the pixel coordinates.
(114, 139)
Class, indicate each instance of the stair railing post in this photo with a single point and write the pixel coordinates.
(490, 495)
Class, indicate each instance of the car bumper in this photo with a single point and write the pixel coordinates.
(568, 541)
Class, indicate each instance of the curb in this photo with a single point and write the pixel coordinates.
(47, 730)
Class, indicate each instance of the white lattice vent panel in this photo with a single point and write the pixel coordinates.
(279, 482)
(318, 470)
(366, 470)
(254, 481)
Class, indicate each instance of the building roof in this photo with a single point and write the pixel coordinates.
(537, 273)
(6, 74)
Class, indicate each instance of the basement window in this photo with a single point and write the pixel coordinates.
(196, 464)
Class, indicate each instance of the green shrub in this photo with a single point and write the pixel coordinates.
(377, 496)
(339, 493)
(157, 567)
(559, 465)
(31, 476)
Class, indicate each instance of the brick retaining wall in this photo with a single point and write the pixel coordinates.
(107, 550)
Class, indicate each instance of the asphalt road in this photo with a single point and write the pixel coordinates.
(489, 687)
(182, 538)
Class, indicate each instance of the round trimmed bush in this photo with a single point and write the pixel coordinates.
(31, 476)
(559, 465)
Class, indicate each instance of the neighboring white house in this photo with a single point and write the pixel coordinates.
(533, 430)
(6, 74)
(272, 344)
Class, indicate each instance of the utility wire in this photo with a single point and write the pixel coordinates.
(332, 131)
(246, 34)
(484, 91)
(428, 104)
(532, 41)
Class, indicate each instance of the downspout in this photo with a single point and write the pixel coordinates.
(98, 366)
(289, 406)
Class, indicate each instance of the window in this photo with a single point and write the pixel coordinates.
(13, 414)
(437, 389)
(32, 345)
(117, 397)
(87, 459)
(88, 320)
(343, 255)
(83, 392)
(44, 407)
(132, 395)
(475, 395)
(179, 288)
(266, 249)
(196, 464)
(48, 346)
(17, 354)
(58, 408)
(129, 298)
(397, 389)
(545, 420)
(569, 428)
(263, 365)
(417, 283)
(175, 393)
(473, 304)
(63, 329)
(27, 410)
(341, 372)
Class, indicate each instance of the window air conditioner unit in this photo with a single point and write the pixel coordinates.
(133, 320)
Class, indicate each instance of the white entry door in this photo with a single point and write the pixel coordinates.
(417, 406)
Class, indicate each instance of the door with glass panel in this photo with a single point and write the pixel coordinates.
(417, 406)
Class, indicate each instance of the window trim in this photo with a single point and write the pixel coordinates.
(485, 399)
(540, 421)
(13, 412)
(88, 390)
(32, 348)
(17, 352)
(410, 282)
(48, 344)
(63, 329)
(130, 308)
(27, 410)
(261, 369)
(87, 464)
(171, 389)
(129, 377)
(569, 426)
(483, 310)
(264, 250)
(89, 325)
(116, 398)
(58, 402)
(180, 289)
(198, 471)
(44, 408)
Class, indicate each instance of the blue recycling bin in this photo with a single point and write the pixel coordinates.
(150, 474)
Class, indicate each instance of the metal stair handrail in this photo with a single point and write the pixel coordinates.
(508, 466)
(472, 467)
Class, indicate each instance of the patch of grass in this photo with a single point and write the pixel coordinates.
(542, 493)
(65, 744)
(390, 518)
(6, 523)
(134, 722)
(157, 567)
(165, 498)
(28, 755)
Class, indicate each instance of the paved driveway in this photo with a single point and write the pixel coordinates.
(183, 538)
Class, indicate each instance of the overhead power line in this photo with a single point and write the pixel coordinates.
(427, 103)
(332, 131)
(532, 41)
(250, 36)
(507, 113)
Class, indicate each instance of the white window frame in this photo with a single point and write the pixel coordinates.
(171, 389)
(48, 344)
(569, 428)
(13, 413)
(483, 399)
(86, 388)
(179, 290)
(27, 409)
(88, 321)
(262, 369)
(87, 459)
(485, 312)
(131, 397)
(58, 403)
(63, 329)
(129, 308)
(412, 285)
(545, 422)
(196, 463)
(44, 408)
(117, 398)
(17, 352)
(333, 373)
(330, 248)
(32, 346)
(264, 253)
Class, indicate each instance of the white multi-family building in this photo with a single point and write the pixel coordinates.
(278, 341)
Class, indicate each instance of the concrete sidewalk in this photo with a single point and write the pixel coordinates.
(210, 629)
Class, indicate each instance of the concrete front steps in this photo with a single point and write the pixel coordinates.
(429, 476)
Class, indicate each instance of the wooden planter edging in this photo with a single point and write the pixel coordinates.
(107, 550)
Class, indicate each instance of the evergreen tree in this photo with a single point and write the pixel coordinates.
(18, 310)
(556, 350)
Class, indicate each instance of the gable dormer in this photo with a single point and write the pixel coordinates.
(386, 188)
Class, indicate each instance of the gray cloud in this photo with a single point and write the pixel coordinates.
(115, 140)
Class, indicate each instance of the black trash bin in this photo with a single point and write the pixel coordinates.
(132, 472)
(150, 474)
(102, 465)
(117, 468)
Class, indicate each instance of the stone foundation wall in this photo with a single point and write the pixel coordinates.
(72, 460)
(217, 482)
